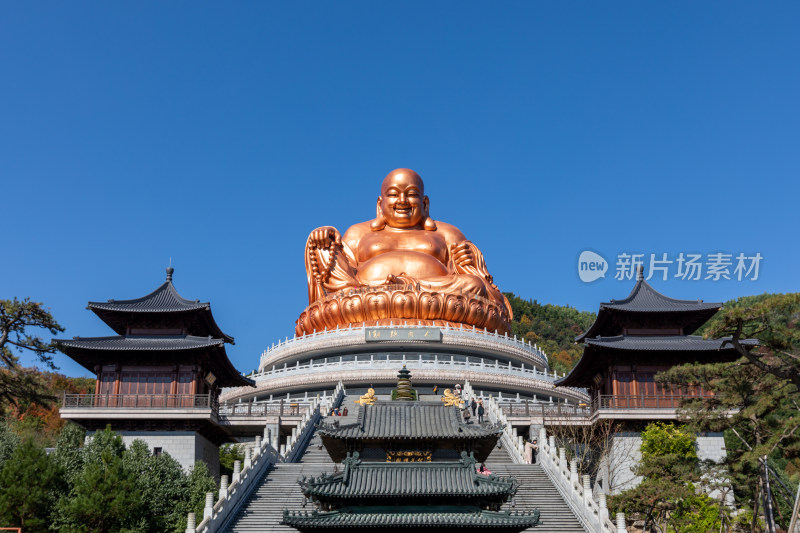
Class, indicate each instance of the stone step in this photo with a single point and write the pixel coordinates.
(278, 489)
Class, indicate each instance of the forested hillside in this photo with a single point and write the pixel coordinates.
(552, 327)
(39, 419)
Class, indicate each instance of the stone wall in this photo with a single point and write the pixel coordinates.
(616, 473)
(186, 447)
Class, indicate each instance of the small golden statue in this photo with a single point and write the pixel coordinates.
(402, 265)
(368, 398)
(451, 399)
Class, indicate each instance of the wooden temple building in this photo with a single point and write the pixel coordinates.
(630, 342)
(409, 464)
(634, 339)
(159, 377)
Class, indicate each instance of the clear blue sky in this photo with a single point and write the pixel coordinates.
(219, 135)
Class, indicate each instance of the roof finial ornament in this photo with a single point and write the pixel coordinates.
(640, 273)
(170, 270)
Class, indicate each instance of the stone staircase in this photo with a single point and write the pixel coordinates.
(278, 489)
(535, 492)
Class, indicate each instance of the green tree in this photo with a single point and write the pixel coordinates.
(104, 497)
(164, 487)
(28, 483)
(773, 320)
(69, 453)
(755, 399)
(200, 482)
(667, 499)
(8, 442)
(17, 319)
(228, 453)
(757, 410)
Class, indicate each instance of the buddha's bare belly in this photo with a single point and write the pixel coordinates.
(415, 264)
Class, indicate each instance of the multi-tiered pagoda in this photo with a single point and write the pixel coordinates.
(630, 342)
(402, 469)
(159, 378)
(634, 339)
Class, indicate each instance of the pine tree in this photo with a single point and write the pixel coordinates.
(28, 482)
(104, 498)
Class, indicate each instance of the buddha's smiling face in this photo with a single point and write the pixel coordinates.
(403, 200)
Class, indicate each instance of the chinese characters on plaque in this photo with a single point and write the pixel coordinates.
(403, 334)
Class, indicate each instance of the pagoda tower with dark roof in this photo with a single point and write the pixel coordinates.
(630, 342)
(159, 378)
(409, 464)
(634, 339)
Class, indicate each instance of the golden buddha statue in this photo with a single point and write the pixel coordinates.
(402, 265)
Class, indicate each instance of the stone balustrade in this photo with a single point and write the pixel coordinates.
(358, 376)
(467, 337)
(509, 438)
(443, 361)
(257, 459)
(576, 490)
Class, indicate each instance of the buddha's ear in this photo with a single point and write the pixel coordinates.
(380, 221)
(428, 224)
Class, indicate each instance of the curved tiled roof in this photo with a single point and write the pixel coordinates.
(515, 521)
(170, 307)
(677, 344)
(165, 299)
(409, 420)
(154, 349)
(689, 343)
(135, 343)
(645, 299)
(388, 480)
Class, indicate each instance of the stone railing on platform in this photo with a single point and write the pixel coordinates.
(281, 407)
(351, 336)
(443, 361)
(218, 516)
(576, 491)
(359, 376)
(528, 408)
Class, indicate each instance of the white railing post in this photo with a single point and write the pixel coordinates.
(587, 489)
(621, 523)
(223, 487)
(237, 471)
(208, 510)
(191, 523)
(603, 508)
(573, 472)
